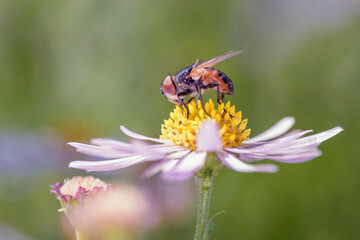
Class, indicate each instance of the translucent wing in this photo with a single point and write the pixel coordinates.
(215, 61)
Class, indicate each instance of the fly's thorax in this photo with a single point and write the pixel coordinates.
(182, 74)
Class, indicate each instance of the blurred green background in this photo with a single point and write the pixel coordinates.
(73, 70)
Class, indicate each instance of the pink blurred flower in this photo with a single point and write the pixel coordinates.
(77, 188)
(123, 206)
(96, 209)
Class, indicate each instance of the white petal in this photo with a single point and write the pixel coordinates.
(208, 138)
(295, 157)
(292, 132)
(288, 156)
(110, 143)
(107, 165)
(165, 148)
(232, 162)
(186, 167)
(276, 130)
(156, 168)
(179, 154)
(316, 139)
(141, 137)
(99, 151)
(288, 150)
(279, 143)
(238, 150)
(143, 149)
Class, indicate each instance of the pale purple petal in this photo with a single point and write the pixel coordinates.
(165, 148)
(98, 151)
(141, 137)
(276, 130)
(107, 165)
(295, 158)
(279, 143)
(285, 156)
(238, 150)
(114, 144)
(208, 138)
(287, 149)
(143, 149)
(160, 151)
(179, 154)
(316, 139)
(163, 166)
(232, 162)
(292, 132)
(186, 167)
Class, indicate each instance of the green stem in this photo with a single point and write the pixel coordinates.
(80, 235)
(205, 187)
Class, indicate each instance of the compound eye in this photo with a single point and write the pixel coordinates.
(168, 86)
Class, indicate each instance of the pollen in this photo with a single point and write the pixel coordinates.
(182, 130)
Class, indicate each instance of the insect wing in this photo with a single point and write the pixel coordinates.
(215, 61)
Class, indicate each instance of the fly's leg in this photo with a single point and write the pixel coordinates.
(197, 100)
(183, 104)
(198, 89)
(220, 98)
(219, 94)
(188, 101)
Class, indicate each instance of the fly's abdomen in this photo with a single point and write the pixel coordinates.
(214, 76)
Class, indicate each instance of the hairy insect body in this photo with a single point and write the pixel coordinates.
(196, 79)
(211, 78)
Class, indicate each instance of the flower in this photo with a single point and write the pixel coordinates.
(73, 192)
(96, 209)
(123, 206)
(77, 188)
(186, 141)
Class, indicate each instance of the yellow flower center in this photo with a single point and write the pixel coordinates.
(182, 130)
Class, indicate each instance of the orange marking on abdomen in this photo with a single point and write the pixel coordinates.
(212, 76)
